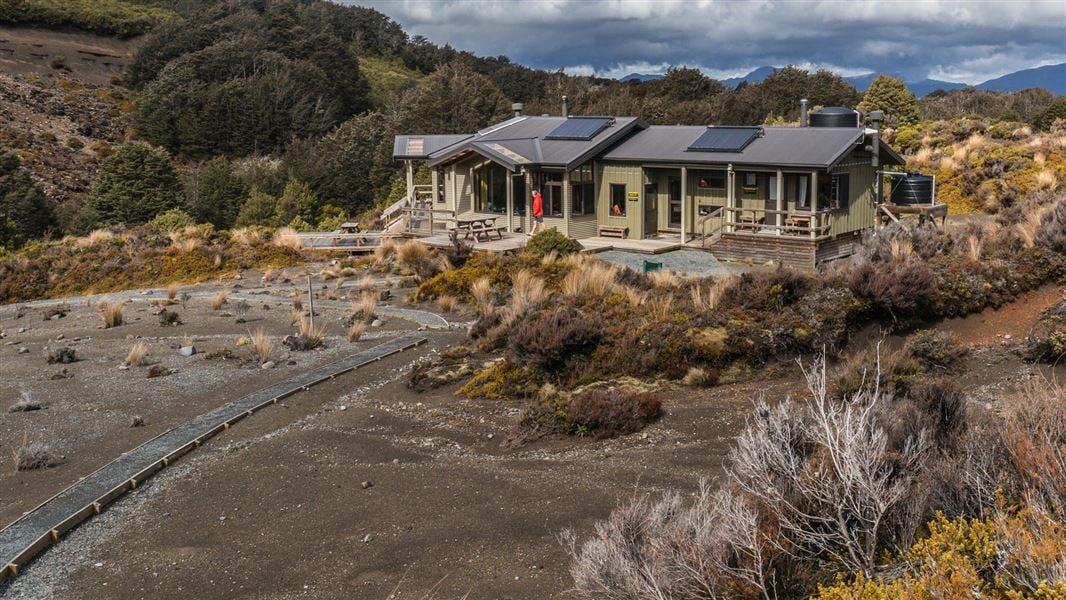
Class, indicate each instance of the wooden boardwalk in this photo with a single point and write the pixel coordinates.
(510, 242)
(653, 246)
(41, 527)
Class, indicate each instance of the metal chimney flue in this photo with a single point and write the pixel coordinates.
(518, 107)
(566, 107)
(876, 118)
(803, 112)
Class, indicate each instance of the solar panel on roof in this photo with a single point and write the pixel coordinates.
(579, 128)
(725, 139)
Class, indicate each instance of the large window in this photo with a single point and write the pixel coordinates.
(838, 191)
(711, 181)
(618, 199)
(491, 182)
(551, 190)
(798, 191)
(582, 195)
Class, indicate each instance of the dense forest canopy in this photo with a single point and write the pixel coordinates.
(250, 98)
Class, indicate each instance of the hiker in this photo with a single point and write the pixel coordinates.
(538, 212)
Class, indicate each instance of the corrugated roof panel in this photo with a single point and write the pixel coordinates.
(725, 139)
(579, 128)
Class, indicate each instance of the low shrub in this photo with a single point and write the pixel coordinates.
(33, 456)
(169, 318)
(137, 356)
(549, 341)
(111, 314)
(600, 412)
(550, 241)
(1047, 340)
(935, 350)
(62, 356)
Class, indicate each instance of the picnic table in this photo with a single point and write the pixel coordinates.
(478, 226)
(798, 221)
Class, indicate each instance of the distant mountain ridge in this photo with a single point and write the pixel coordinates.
(1050, 77)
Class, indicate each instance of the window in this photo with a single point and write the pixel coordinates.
(440, 188)
(771, 188)
(582, 194)
(750, 180)
(801, 191)
(838, 191)
(618, 199)
(491, 189)
(712, 181)
(551, 190)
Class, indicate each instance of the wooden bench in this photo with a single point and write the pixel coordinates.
(613, 231)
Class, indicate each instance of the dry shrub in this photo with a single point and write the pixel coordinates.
(665, 279)
(899, 288)
(31, 456)
(95, 238)
(526, 290)
(612, 412)
(935, 350)
(974, 246)
(286, 237)
(111, 313)
(481, 291)
(1046, 179)
(636, 297)
(313, 332)
(172, 291)
(219, 300)
(261, 345)
(700, 377)
(447, 303)
(356, 331)
(62, 356)
(187, 244)
(366, 284)
(138, 355)
(708, 299)
(419, 259)
(1051, 231)
(591, 278)
(245, 236)
(362, 310)
(385, 251)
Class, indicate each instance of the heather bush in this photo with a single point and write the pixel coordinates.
(549, 341)
(601, 412)
(901, 289)
(1047, 340)
(935, 350)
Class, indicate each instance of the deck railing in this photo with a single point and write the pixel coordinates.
(428, 221)
(351, 242)
(793, 223)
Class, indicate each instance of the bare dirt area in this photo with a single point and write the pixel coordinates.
(92, 58)
(360, 488)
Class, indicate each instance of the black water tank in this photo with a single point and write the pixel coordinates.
(835, 116)
(912, 188)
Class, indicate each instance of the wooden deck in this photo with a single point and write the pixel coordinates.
(653, 246)
(509, 243)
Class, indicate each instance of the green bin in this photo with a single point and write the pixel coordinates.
(650, 266)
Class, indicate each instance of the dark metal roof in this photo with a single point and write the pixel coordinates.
(725, 139)
(778, 146)
(421, 146)
(526, 140)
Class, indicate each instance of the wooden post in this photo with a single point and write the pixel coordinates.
(780, 185)
(730, 216)
(434, 179)
(510, 203)
(566, 203)
(814, 204)
(311, 301)
(684, 209)
(410, 166)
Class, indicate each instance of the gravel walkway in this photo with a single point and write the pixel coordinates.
(690, 262)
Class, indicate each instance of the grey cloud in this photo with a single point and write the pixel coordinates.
(964, 41)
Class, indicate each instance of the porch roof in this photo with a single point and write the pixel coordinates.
(526, 140)
(808, 147)
(422, 146)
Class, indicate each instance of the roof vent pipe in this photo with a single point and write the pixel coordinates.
(566, 107)
(518, 107)
(876, 118)
(803, 112)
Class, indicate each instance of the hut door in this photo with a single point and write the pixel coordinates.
(651, 209)
(674, 196)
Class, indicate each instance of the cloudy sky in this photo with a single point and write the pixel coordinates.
(956, 41)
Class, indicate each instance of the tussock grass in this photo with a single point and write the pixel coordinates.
(526, 290)
(665, 279)
(31, 456)
(590, 278)
(901, 249)
(187, 244)
(383, 253)
(314, 333)
(286, 237)
(447, 303)
(356, 331)
(95, 238)
(245, 236)
(261, 345)
(363, 308)
(219, 300)
(481, 291)
(111, 313)
(974, 246)
(138, 355)
(172, 291)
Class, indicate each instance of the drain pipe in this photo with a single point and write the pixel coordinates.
(876, 118)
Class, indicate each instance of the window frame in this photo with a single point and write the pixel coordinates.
(613, 201)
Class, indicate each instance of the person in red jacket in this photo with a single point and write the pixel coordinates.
(538, 212)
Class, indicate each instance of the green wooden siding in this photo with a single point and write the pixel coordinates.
(630, 175)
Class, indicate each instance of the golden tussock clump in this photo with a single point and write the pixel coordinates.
(447, 303)
(219, 300)
(95, 238)
(245, 236)
(111, 313)
(356, 331)
(261, 345)
(286, 237)
(138, 355)
(592, 278)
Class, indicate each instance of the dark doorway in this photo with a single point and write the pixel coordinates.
(674, 197)
(651, 209)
